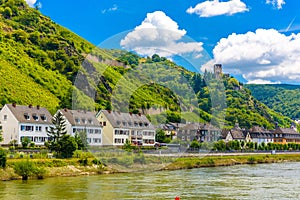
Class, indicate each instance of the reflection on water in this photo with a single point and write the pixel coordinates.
(265, 181)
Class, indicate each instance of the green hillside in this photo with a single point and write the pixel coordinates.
(46, 64)
(283, 98)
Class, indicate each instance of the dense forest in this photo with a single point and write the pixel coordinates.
(42, 63)
(282, 98)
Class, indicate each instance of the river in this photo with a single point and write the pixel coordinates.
(264, 181)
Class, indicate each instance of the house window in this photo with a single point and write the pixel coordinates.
(38, 128)
(26, 116)
(96, 140)
(43, 117)
(104, 123)
(35, 117)
(90, 131)
(84, 121)
(26, 128)
(77, 120)
(5, 117)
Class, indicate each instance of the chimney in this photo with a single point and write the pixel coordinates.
(65, 109)
(14, 104)
(30, 106)
(109, 111)
(38, 107)
(130, 113)
(140, 114)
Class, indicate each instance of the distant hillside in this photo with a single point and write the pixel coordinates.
(40, 60)
(282, 98)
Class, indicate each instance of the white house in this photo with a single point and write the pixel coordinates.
(83, 121)
(20, 121)
(119, 127)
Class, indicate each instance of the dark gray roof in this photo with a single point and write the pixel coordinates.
(30, 114)
(119, 119)
(237, 133)
(196, 126)
(80, 117)
(258, 129)
(285, 130)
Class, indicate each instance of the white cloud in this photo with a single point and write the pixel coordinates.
(31, 3)
(261, 55)
(159, 34)
(276, 3)
(261, 81)
(215, 8)
(113, 8)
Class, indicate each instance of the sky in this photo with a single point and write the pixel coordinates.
(257, 41)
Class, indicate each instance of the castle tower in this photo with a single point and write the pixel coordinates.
(218, 70)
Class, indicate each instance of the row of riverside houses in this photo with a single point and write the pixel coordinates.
(204, 132)
(102, 128)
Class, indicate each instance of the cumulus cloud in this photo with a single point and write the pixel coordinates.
(159, 34)
(31, 3)
(276, 3)
(263, 55)
(215, 8)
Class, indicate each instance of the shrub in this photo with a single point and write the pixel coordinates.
(24, 169)
(40, 172)
(2, 158)
(251, 160)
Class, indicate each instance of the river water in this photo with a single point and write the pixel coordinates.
(264, 181)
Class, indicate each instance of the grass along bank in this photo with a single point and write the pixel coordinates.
(52, 167)
(228, 160)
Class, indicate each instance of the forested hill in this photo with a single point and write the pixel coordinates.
(282, 98)
(40, 60)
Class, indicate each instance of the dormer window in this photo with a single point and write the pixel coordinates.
(26, 116)
(146, 124)
(124, 123)
(84, 121)
(141, 124)
(35, 117)
(118, 122)
(43, 117)
(77, 120)
(90, 121)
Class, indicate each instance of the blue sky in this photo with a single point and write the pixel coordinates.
(258, 40)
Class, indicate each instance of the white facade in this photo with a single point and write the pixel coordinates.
(83, 122)
(34, 125)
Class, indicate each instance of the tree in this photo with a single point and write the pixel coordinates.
(2, 158)
(24, 169)
(67, 146)
(57, 131)
(81, 140)
(59, 141)
(1, 137)
(194, 144)
(160, 136)
(25, 142)
(7, 13)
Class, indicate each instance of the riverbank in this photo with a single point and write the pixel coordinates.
(79, 167)
(229, 160)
